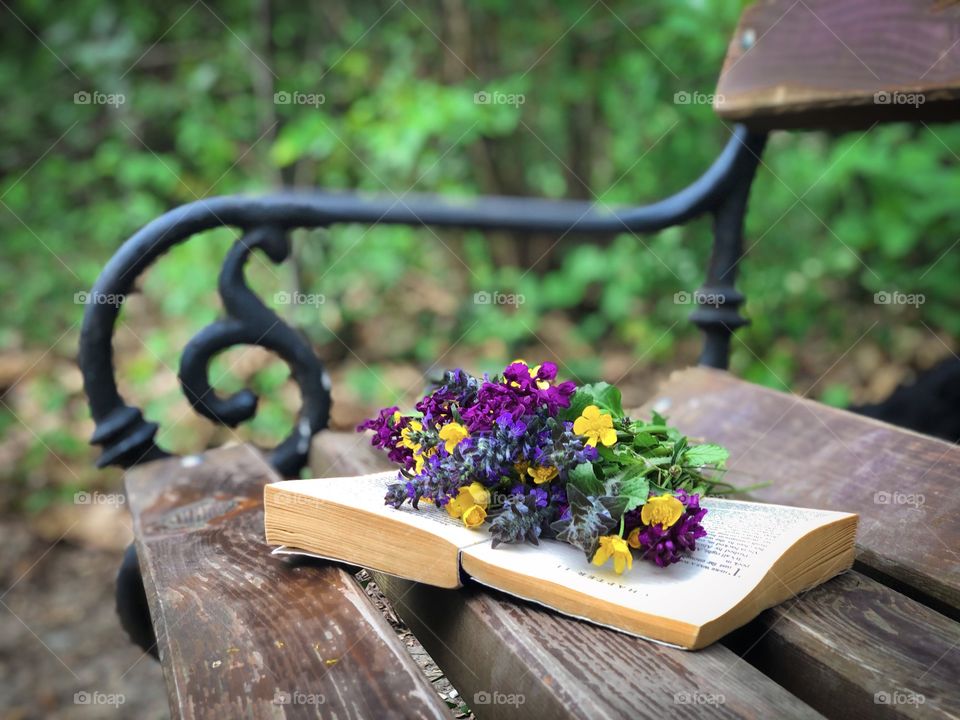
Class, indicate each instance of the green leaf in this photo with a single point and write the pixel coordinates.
(635, 486)
(644, 440)
(585, 479)
(603, 395)
(707, 454)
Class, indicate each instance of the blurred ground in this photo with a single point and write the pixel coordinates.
(59, 634)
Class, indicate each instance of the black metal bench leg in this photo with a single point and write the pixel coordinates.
(132, 604)
(717, 301)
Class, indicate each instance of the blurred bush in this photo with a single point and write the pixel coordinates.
(381, 97)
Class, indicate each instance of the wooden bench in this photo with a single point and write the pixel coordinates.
(242, 633)
(238, 627)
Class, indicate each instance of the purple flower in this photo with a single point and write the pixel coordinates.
(665, 547)
(387, 435)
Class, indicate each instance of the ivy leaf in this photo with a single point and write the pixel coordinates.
(707, 454)
(632, 484)
(590, 517)
(585, 479)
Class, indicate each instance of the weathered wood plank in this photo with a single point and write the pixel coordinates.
(854, 648)
(821, 63)
(904, 485)
(494, 647)
(242, 633)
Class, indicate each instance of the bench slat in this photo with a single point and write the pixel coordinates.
(855, 648)
(819, 63)
(488, 642)
(822, 457)
(236, 627)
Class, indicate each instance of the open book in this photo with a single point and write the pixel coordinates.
(753, 557)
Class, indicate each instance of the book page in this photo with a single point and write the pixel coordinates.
(366, 492)
(743, 541)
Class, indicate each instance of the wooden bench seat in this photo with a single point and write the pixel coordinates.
(242, 633)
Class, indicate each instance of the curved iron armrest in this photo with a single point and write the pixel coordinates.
(127, 437)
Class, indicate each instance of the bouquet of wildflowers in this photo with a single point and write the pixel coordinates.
(534, 458)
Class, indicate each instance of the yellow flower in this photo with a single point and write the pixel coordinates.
(595, 426)
(405, 439)
(452, 434)
(474, 516)
(468, 497)
(454, 508)
(543, 474)
(633, 539)
(663, 510)
(616, 547)
(420, 458)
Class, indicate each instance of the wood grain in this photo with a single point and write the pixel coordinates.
(489, 643)
(820, 63)
(854, 648)
(904, 485)
(241, 631)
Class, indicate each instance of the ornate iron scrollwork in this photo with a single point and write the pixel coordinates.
(250, 322)
(128, 438)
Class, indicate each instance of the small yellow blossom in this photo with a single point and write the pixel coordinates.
(542, 474)
(420, 458)
(405, 439)
(633, 539)
(663, 510)
(595, 426)
(614, 546)
(452, 434)
(468, 497)
(474, 516)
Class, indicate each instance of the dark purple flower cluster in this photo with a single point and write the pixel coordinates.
(387, 429)
(523, 391)
(458, 390)
(488, 430)
(665, 547)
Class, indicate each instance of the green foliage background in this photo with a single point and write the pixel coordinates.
(832, 220)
